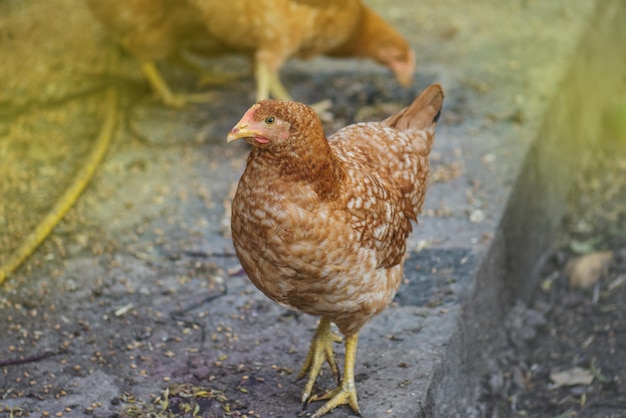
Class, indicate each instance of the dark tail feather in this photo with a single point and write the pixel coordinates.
(422, 113)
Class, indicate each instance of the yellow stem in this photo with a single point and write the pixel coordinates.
(65, 202)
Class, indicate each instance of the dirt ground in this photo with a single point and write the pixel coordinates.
(567, 353)
(136, 305)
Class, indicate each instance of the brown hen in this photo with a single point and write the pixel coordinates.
(273, 31)
(320, 225)
(153, 30)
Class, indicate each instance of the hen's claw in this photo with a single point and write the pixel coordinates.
(345, 393)
(171, 99)
(212, 79)
(269, 84)
(321, 350)
(205, 77)
(178, 101)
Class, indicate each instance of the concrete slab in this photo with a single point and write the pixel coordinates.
(138, 297)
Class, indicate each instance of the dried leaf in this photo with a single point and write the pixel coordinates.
(572, 377)
(586, 270)
(124, 309)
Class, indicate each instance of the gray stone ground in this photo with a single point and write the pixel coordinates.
(137, 296)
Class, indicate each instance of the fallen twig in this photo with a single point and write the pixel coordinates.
(31, 359)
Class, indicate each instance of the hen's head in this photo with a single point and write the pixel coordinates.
(288, 138)
(275, 125)
(377, 39)
(400, 59)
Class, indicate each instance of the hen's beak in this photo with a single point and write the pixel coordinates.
(404, 70)
(241, 130)
(405, 80)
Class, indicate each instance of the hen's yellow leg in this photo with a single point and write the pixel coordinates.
(268, 84)
(277, 89)
(321, 350)
(345, 393)
(159, 85)
(262, 78)
(205, 76)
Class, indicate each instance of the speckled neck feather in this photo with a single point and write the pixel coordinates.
(306, 157)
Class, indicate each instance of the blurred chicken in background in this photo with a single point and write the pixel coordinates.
(274, 31)
(155, 30)
(270, 32)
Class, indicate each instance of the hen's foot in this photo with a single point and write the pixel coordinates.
(216, 79)
(269, 85)
(179, 101)
(321, 350)
(206, 77)
(345, 393)
(165, 94)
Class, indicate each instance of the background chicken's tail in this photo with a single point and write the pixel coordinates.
(423, 113)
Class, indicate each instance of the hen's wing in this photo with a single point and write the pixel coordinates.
(376, 206)
(387, 172)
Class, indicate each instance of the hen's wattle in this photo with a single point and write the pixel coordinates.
(320, 225)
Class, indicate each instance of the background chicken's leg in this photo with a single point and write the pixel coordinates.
(159, 85)
(268, 84)
(205, 77)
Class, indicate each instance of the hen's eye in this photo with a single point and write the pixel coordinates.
(269, 120)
